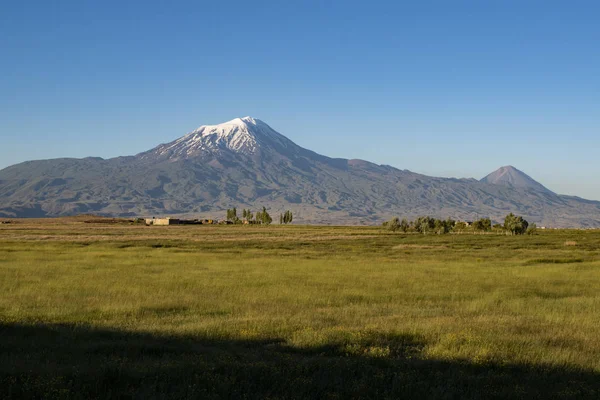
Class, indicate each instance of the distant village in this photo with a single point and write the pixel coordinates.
(248, 218)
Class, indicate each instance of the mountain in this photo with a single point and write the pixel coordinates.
(512, 177)
(247, 164)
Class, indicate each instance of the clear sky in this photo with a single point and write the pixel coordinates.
(445, 88)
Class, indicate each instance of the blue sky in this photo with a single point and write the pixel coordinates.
(445, 88)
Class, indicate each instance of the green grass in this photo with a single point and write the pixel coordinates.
(296, 312)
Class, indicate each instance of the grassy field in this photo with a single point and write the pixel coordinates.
(116, 310)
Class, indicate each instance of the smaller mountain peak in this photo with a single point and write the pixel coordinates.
(506, 170)
(511, 176)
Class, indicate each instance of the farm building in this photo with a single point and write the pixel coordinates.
(177, 221)
(162, 221)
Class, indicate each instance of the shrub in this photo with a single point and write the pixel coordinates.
(532, 229)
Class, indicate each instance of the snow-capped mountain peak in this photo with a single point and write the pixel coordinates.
(227, 126)
(235, 135)
(241, 135)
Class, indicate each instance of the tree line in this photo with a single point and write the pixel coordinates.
(286, 217)
(513, 225)
(261, 217)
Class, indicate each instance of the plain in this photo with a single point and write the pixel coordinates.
(99, 310)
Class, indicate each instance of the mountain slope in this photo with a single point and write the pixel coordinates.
(245, 163)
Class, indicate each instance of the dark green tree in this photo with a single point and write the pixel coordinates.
(483, 224)
(515, 225)
(439, 227)
(287, 217)
(443, 226)
(404, 225)
(450, 223)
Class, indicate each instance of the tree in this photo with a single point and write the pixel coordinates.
(393, 224)
(514, 224)
(439, 226)
(443, 226)
(404, 225)
(424, 224)
(483, 224)
(266, 217)
(232, 215)
(460, 226)
(487, 224)
(289, 217)
(263, 217)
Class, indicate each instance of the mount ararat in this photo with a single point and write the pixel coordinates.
(247, 164)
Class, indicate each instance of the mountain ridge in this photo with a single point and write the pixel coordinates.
(246, 163)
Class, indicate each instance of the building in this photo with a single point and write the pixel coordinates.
(162, 221)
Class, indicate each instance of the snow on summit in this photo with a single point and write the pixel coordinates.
(229, 125)
(235, 135)
(242, 135)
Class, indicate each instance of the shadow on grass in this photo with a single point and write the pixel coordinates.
(64, 361)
